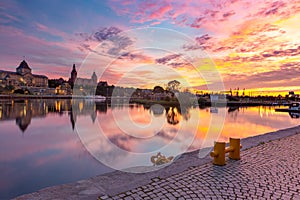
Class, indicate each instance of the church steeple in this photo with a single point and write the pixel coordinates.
(73, 76)
(94, 78)
(74, 69)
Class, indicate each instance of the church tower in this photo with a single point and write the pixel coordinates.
(73, 76)
(94, 78)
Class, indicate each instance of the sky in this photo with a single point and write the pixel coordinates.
(240, 43)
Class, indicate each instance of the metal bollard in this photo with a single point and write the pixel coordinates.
(234, 149)
(219, 151)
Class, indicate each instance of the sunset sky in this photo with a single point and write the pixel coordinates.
(253, 44)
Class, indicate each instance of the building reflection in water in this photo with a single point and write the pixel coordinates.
(173, 114)
(23, 111)
(85, 108)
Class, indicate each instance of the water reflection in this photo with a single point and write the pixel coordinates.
(157, 110)
(48, 152)
(294, 114)
(173, 116)
(22, 111)
(233, 109)
(126, 134)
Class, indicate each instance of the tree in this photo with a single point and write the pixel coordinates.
(10, 88)
(53, 83)
(173, 86)
(158, 89)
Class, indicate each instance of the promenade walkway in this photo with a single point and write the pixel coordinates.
(269, 169)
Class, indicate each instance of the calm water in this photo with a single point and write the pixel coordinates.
(50, 142)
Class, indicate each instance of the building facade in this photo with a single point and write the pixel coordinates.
(22, 77)
(74, 80)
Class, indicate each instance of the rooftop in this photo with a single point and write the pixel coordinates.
(23, 64)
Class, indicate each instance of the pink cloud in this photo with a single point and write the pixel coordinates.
(161, 11)
(51, 31)
(45, 57)
(141, 12)
(8, 5)
(210, 16)
(228, 14)
(6, 18)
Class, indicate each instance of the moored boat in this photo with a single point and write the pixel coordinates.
(294, 106)
(95, 97)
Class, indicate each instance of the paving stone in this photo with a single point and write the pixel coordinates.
(268, 171)
(263, 172)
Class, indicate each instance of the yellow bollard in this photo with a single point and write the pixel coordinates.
(219, 153)
(234, 149)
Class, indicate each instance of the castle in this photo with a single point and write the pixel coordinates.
(22, 77)
(38, 84)
(74, 80)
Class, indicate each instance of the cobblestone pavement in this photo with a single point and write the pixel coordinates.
(268, 171)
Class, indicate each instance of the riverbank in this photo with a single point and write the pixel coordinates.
(207, 103)
(24, 96)
(258, 153)
(149, 102)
